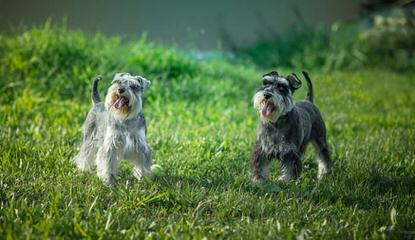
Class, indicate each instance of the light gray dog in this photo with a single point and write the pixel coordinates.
(116, 129)
(286, 127)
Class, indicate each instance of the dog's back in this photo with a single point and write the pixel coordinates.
(307, 106)
(311, 114)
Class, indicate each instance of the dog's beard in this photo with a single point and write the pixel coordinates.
(122, 106)
(272, 108)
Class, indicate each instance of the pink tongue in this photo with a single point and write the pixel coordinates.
(266, 110)
(119, 103)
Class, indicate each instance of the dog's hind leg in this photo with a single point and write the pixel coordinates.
(323, 155)
(85, 159)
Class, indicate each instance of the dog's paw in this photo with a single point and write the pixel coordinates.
(286, 178)
(108, 180)
(142, 174)
(82, 164)
(322, 172)
(258, 180)
(323, 169)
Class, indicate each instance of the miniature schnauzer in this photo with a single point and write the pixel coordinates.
(286, 127)
(116, 129)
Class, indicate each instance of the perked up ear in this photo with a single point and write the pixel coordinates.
(121, 74)
(295, 83)
(272, 73)
(118, 76)
(269, 78)
(143, 82)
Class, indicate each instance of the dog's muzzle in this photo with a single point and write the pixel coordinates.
(120, 101)
(267, 106)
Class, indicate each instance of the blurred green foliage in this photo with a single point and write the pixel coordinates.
(388, 43)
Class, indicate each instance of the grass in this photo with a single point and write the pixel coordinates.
(201, 129)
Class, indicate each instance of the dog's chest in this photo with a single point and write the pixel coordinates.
(271, 143)
(134, 141)
(271, 140)
(129, 143)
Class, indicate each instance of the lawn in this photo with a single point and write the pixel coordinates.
(201, 127)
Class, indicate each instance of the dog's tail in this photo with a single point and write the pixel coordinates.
(95, 95)
(310, 94)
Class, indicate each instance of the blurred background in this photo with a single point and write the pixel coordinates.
(343, 34)
(201, 24)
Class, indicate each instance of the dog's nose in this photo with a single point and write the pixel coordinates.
(267, 95)
(121, 90)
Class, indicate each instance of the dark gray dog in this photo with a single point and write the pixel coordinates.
(286, 127)
(116, 129)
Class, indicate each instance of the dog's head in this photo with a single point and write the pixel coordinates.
(123, 99)
(274, 98)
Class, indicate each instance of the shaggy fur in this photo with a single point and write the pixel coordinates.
(116, 129)
(286, 127)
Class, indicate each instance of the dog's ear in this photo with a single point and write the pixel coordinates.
(272, 73)
(143, 82)
(121, 74)
(269, 78)
(295, 83)
(118, 76)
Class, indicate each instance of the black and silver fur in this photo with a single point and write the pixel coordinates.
(286, 127)
(116, 129)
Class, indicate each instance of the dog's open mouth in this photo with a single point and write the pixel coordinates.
(120, 102)
(267, 108)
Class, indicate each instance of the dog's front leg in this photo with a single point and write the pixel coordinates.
(106, 162)
(259, 164)
(142, 166)
(290, 166)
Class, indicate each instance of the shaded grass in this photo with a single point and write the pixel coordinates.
(201, 128)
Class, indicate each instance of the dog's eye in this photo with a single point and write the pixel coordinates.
(135, 87)
(281, 87)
